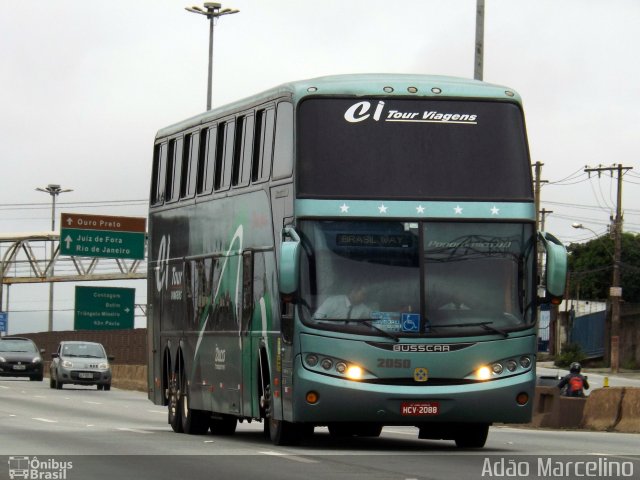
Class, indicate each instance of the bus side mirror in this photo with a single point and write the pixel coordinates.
(555, 269)
(289, 261)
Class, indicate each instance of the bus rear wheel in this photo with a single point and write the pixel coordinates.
(174, 417)
(194, 422)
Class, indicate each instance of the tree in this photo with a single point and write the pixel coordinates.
(591, 268)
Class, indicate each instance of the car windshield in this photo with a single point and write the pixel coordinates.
(23, 346)
(83, 350)
(417, 279)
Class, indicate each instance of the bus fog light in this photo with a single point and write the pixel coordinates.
(497, 368)
(483, 373)
(522, 398)
(326, 364)
(312, 360)
(354, 372)
(525, 362)
(512, 365)
(341, 367)
(312, 397)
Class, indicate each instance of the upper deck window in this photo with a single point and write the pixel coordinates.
(412, 148)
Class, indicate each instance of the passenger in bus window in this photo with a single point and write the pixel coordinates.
(346, 306)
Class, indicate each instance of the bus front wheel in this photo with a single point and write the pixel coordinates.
(281, 432)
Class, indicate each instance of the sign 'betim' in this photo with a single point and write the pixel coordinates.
(102, 236)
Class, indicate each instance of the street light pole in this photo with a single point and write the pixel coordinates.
(213, 12)
(53, 190)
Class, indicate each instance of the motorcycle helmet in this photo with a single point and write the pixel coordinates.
(575, 367)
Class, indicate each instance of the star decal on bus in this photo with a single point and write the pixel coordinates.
(458, 209)
(382, 208)
(344, 208)
(420, 209)
(495, 211)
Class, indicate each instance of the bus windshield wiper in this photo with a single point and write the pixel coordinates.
(485, 325)
(363, 321)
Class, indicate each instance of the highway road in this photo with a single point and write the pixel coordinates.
(120, 434)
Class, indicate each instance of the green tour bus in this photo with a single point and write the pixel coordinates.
(352, 252)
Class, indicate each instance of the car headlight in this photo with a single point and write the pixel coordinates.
(67, 364)
(36, 360)
(103, 366)
(2, 359)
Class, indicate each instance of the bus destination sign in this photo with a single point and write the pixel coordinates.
(102, 236)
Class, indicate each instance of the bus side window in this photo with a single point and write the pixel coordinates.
(189, 165)
(159, 171)
(263, 145)
(174, 167)
(283, 148)
(210, 162)
(247, 289)
(242, 151)
(224, 155)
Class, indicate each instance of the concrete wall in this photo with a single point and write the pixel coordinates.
(605, 409)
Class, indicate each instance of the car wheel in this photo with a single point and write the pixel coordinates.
(106, 387)
(52, 383)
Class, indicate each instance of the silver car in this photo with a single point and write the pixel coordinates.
(80, 363)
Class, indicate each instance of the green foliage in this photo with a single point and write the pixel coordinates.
(571, 352)
(591, 268)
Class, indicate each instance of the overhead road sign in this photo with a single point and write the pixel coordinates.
(102, 236)
(104, 308)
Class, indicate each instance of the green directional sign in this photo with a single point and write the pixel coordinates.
(102, 236)
(104, 308)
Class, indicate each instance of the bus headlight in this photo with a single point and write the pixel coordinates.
(483, 373)
(354, 372)
(337, 367)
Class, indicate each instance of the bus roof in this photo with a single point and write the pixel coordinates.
(387, 84)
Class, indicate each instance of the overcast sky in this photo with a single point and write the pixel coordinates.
(84, 86)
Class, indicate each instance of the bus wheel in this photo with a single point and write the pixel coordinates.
(224, 425)
(175, 419)
(280, 431)
(194, 422)
(474, 436)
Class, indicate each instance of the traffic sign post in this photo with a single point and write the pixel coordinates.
(102, 236)
(104, 308)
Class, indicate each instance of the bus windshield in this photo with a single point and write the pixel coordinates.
(417, 279)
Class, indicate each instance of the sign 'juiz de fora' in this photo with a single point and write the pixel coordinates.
(102, 236)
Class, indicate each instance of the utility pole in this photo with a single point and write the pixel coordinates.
(615, 292)
(543, 213)
(537, 186)
(479, 55)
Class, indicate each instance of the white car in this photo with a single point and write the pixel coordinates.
(80, 363)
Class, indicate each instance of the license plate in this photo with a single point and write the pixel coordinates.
(19, 367)
(418, 409)
(85, 375)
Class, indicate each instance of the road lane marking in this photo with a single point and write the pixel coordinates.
(289, 456)
(46, 420)
(92, 403)
(132, 430)
(163, 412)
(6, 388)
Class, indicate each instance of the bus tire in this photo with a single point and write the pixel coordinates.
(281, 432)
(174, 417)
(194, 422)
(474, 436)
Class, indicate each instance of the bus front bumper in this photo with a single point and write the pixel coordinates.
(345, 400)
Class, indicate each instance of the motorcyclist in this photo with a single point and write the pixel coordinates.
(574, 383)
